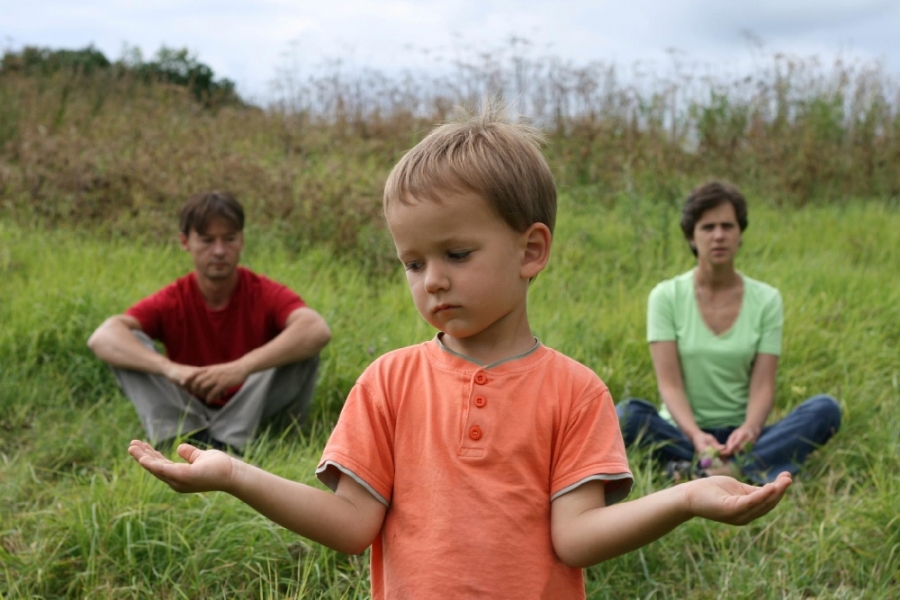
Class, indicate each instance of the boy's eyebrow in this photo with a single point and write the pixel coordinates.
(449, 243)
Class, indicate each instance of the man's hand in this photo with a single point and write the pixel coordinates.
(211, 382)
(178, 373)
(208, 383)
(739, 439)
(204, 471)
(727, 500)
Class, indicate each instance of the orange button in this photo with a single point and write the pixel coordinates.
(480, 401)
(481, 378)
(475, 432)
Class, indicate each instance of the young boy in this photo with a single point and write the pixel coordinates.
(480, 463)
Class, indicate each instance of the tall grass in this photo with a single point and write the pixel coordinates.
(118, 155)
(79, 519)
(92, 171)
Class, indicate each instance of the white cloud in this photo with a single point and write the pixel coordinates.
(248, 41)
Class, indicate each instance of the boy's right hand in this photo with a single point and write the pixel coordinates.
(204, 471)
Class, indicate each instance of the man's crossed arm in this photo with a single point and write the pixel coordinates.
(305, 334)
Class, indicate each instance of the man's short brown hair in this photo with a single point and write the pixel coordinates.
(201, 208)
(488, 154)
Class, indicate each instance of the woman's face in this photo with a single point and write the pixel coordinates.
(717, 235)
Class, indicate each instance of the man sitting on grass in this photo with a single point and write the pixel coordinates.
(240, 348)
(479, 464)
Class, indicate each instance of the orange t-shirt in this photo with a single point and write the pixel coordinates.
(468, 459)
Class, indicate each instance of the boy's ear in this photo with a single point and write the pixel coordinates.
(537, 240)
(183, 239)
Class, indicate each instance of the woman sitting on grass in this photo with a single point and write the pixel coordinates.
(715, 337)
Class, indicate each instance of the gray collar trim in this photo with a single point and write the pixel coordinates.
(537, 344)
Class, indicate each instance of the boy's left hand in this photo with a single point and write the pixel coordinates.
(727, 500)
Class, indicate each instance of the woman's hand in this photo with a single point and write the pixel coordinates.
(702, 440)
(739, 439)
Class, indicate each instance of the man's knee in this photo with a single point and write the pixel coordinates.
(289, 392)
(144, 339)
(302, 370)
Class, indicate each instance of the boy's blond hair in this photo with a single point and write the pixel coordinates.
(488, 154)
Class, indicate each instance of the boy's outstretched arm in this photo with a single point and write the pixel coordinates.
(347, 520)
(585, 531)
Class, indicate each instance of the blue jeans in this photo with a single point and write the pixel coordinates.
(782, 446)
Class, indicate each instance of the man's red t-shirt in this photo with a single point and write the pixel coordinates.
(178, 316)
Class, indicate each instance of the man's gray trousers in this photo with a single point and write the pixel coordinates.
(167, 410)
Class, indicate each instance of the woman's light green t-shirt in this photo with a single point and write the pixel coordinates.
(715, 368)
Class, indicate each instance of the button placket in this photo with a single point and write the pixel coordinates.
(475, 432)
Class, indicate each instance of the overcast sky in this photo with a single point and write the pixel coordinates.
(249, 41)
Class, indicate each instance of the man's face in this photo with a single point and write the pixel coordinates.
(217, 251)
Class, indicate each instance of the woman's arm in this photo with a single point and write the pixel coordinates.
(671, 390)
(762, 395)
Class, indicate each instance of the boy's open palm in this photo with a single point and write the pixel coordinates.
(204, 471)
(727, 500)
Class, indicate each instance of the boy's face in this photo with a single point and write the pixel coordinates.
(468, 270)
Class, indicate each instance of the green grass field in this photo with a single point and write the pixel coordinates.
(79, 519)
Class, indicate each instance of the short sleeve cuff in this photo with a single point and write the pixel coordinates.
(329, 473)
(618, 486)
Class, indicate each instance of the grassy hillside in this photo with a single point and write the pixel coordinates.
(93, 165)
(79, 519)
(105, 149)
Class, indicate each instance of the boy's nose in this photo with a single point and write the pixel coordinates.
(435, 280)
